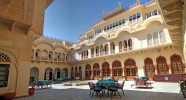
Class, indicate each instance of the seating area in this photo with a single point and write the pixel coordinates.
(43, 84)
(141, 82)
(106, 87)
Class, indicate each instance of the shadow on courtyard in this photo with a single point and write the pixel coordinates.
(83, 94)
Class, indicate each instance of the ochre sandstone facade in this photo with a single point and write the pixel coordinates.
(141, 40)
(129, 42)
(21, 22)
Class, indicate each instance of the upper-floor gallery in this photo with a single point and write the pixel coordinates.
(122, 30)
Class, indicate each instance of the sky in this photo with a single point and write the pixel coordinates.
(67, 19)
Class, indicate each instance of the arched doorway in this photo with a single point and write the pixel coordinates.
(48, 74)
(149, 68)
(130, 69)
(34, 74)
(72, 73)
(162, 67)
(96, 71)
(88, 71)
(176, 64)
(105, 70)
(116, 69)
(57, 73)
(64, 72)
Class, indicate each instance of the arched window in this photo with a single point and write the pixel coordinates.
(87, 54)
(120, 46)
(105, 69)
(37, 54)
(101, 50)
(119, 22)
(134, 17)
(113, 25)
(130, 19)
(156, 38)
(130, 69)
(82, 55)
(155, 12)
(138, 16)
(50, 55)
(112, 48)
(116, 24)
(96, 70)
(116, 69)
(130, 44)
(123, 21)
(162, 37)
(97, 51)
(4, 69)
(162, 67)
(150, 13)
(125, 45)
(88, 71)
(149, 68)
(176, 64)
(106, 49)
(92, 52)
(146, 15)
(149, 40)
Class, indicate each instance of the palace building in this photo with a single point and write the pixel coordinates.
(127, 42)
(139, 40)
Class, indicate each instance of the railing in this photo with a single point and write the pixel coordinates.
(112, 51)
(55, 59)
(125, 49)
(37, 58)
(92, 55)
(106, 53)
(97, 55)
(130, 48)
(44, 58)
(50, 59)
(86, 57)
(120, 50)
(101, 53)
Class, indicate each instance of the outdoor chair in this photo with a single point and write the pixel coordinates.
(98, 90)
(121, 86)
(91, 86)
(113, 90)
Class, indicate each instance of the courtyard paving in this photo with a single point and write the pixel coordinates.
(160, 91)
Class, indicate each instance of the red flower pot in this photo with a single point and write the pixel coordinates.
(31, 91)
(9, 96)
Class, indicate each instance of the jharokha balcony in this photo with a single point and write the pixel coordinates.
(44, 58)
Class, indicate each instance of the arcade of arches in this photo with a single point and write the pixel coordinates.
(130, 69)
(49, 73)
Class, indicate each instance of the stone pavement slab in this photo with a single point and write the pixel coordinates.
(160, 91)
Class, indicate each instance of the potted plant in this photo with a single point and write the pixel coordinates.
(123, 77)
(99, 78)
(31, 90)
